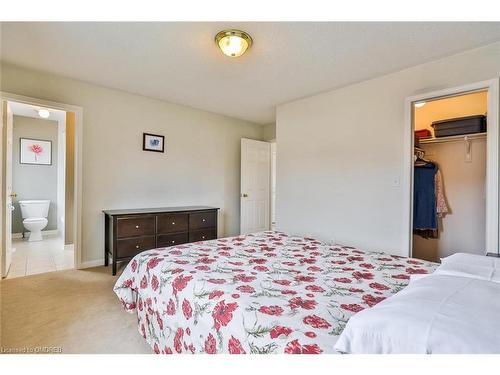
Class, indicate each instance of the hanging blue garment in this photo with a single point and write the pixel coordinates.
(424, 197)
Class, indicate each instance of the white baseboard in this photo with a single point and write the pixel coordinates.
(44, 233)
(91, 263)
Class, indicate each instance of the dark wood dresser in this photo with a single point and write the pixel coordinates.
(129, 232)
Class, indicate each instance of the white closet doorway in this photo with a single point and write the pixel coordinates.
(452, 172)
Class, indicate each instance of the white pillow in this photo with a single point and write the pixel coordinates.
(472, 259)
(436, 314)
(469, 270)
(471, 265)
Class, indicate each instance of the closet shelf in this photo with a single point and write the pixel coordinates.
(453, 138)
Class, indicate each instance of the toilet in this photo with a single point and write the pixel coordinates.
(34, 214)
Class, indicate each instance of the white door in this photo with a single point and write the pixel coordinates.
(273, 185)
(255, 185)
(7, 214)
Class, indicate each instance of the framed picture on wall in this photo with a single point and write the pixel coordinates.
(153, 142)
(35, 151)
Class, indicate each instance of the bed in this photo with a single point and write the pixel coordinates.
(260, 293)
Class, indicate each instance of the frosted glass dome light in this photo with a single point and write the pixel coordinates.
(233, 43)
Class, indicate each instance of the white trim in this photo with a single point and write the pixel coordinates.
(50, 232)
(61, 174)
(77, 225)
(91, 263)
(492, 162)
(272, 189)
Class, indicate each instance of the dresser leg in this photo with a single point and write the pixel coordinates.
(106, 241)
(114, 267)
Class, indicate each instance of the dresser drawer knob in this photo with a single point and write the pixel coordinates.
(173, 241)
(202, 237)
(137, 246)
(136, 227)
(203, 220)
(173, 222)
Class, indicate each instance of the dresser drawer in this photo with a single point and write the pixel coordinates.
(133, 246)
(135, 226)
(200, 220)
(171, 223)
(202, 235)
(165, 240)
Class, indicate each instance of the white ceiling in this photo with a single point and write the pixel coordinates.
(28, 110)
(180, 63)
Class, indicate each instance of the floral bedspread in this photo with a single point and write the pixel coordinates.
(260, 293)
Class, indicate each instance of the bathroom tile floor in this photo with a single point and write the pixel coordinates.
(49, 255)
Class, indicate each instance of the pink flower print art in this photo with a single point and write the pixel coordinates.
(35, 151)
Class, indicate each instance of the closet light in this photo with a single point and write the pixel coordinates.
(419, 104)
(43, 113)
(233, 43)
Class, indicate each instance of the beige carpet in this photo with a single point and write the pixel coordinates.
(74, 310)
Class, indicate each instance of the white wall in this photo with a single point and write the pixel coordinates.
(200, 166)
(340, 152)
(269, 132)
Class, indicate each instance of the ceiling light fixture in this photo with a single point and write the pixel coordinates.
(419, 104)
(233, 43)
(43, 113)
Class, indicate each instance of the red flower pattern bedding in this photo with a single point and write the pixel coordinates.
(260, 293)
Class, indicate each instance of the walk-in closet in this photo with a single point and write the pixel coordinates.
(449, 184)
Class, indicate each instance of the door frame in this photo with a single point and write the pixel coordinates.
(272, 184)
(78, 163)
(6, 132)
(492, 162)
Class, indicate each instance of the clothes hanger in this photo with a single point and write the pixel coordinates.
(419, 159)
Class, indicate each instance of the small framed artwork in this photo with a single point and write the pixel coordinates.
(35, 151)
(153, 142)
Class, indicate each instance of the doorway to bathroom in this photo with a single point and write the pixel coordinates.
(39, 216)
